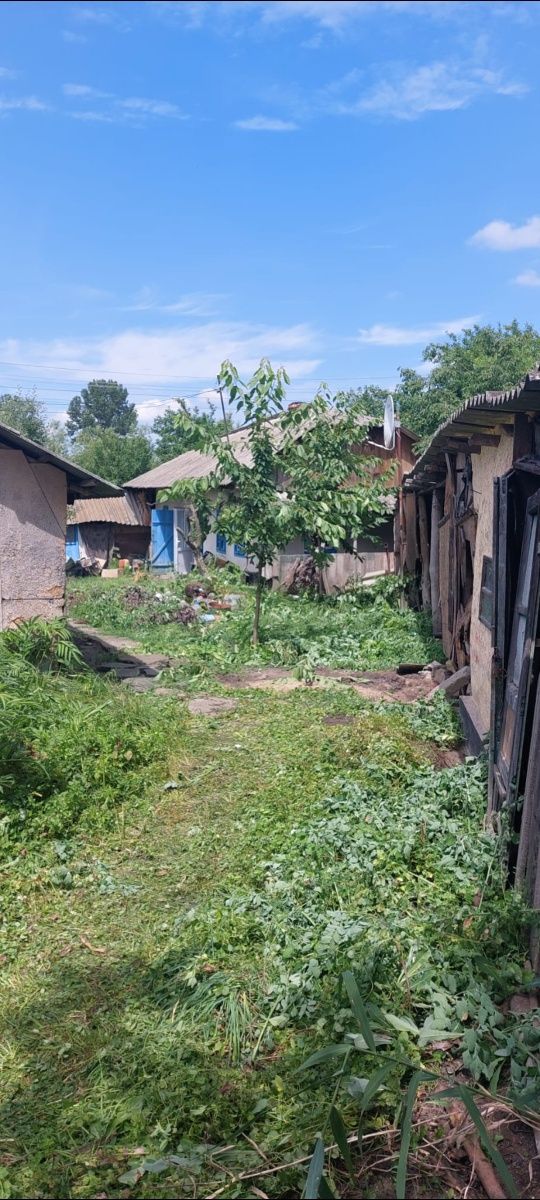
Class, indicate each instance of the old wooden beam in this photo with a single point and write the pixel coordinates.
(485, 439)
(424, 551)
(434, 564)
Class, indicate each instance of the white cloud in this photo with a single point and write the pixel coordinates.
(193, 304)
(528, 279)
(28, 103)
(70, 36)
(266, 125)
(91, 114)
(82, 89)
(437, 87)
(398, 335)
(501, 235)
(7, 73)
(184, 359)
(153, 108)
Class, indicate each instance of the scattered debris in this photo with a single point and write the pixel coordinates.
(83, 567)
(302, 575)
(454, 685)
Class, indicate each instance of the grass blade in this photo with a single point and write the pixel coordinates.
(325, 1191)
(490, 1148)
(324, 1055)
(314, 1175)
(358, 1007)
(340, 1135)
(406, 1129)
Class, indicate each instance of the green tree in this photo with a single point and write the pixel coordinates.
(114, 456)
(368, 400)
(334, 492)
(174, 434)
(484, 358)
(24, 413)
(101, 405)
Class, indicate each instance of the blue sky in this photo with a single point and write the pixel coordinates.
(332, 184)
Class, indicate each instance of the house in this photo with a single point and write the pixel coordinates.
(169, 551)
(470, 538)
(97, 527)
(35, 488)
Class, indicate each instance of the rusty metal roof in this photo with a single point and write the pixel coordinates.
(482, 411)
(79, 481)
(129, 509)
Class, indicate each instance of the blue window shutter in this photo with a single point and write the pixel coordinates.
(239, 551)
(221, 544)
(162, 539)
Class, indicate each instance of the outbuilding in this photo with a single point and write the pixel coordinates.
(99, 528)
(470, 541)
(35, 489)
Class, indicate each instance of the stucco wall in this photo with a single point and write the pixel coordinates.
(33, 498)
(491, 462)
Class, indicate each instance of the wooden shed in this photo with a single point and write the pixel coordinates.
(470, 538)
(97, 528)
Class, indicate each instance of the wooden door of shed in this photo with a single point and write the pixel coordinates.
(523, 663)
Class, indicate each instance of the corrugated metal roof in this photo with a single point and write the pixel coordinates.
(80, 482)
(129, 509)
(484, 409)
(195, 465)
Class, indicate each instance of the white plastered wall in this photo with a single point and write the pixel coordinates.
(33, 498)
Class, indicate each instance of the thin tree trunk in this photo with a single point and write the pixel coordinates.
(257, 613)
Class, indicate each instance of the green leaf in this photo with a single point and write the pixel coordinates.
(406, 1130)
(491, 1150)
(325, 1191)
(358, 1008)
(373, 1085)
(340, 1135)
(402, 1024)
(324, 1055)
(315, 1170)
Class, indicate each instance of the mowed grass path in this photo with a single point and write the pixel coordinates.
(94, 1066)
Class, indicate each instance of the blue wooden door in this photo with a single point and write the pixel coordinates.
(162, 539)
(72, 543)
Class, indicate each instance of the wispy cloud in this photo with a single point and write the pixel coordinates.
(178, 356)
(83, 90)
(501, 235)
(436, 87)
(193, 304)
(26, 103)
(154, 108)
(266, 125)
(399, 335)
(529, 279)
(69, 35)
(330, 17)
(91, 114)
(116, 109)
(7, 73)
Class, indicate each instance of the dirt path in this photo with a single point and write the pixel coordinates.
(372, 685)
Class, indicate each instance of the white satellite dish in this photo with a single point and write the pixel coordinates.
(389, 423)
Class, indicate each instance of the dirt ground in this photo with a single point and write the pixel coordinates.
(373, 685)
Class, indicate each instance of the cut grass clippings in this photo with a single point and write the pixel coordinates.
(173, 963)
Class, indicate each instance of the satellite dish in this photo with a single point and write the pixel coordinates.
(389, 423)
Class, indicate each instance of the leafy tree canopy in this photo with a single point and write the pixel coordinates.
(114, 456)
(101, 405)
(25, 414)
(174, 434)
(368, 400)
(480, 359)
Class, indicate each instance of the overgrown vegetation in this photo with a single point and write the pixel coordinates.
(360, 628)
(184, 896)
